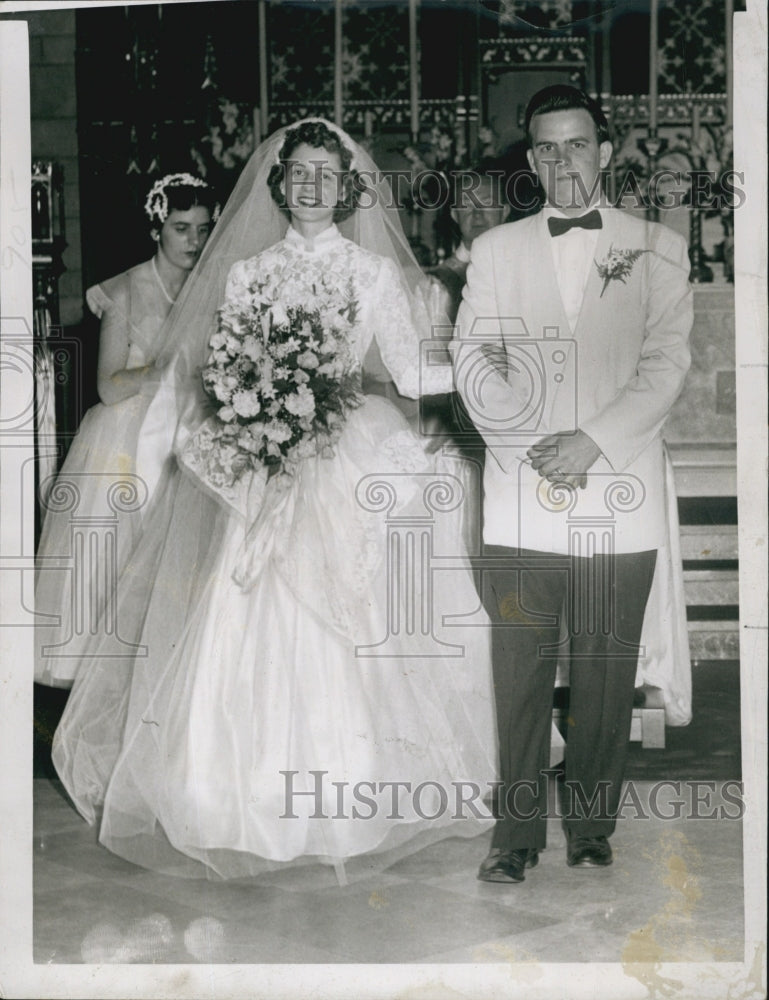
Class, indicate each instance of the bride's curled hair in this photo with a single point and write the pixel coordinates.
(319, 136)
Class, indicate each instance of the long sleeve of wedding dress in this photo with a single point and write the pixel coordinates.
(418, 367)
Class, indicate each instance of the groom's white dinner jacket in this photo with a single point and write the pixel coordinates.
(523, 373)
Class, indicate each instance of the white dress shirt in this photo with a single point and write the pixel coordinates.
(573, 254)
(462, 254)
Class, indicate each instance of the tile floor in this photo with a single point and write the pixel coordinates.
(674, 893)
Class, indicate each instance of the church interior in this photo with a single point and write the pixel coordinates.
(123, 94)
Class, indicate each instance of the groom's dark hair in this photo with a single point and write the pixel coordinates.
(561, 97)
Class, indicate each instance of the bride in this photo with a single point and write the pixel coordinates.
(293, 693)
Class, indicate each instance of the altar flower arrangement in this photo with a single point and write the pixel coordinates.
(282, 375)
(221, 153)
(711, 148)
(444, 151)
(488, 142)
(441, 153)
(416, 161)
(617, 266)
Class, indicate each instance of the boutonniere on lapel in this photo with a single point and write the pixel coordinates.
(617, 266)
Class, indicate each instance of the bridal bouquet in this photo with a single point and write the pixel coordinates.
(282, 375)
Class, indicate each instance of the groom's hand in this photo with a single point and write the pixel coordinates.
(564, 458)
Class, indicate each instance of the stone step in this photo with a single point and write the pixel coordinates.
(648, 728)
(704, 471)
(714, 640)
(711, 586)
(709, 541)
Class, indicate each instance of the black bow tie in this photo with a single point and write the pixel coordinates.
(558, 225)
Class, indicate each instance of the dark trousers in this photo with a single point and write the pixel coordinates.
(605, 598)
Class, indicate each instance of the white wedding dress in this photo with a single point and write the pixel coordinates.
(269, 721)
(93, 510)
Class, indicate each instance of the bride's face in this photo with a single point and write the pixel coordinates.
(313, 185)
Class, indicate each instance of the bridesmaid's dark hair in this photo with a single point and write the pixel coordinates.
(182, 197)
(317, 135)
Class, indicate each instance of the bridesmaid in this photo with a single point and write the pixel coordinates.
(99, 477)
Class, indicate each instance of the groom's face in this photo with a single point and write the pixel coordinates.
(567, 158)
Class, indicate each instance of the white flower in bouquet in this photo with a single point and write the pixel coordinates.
(247, 442)
(279, 314)
(289, 346)
(333, 368)
(301, 403)
(330, 344)
(307, 359)
(246, 404)
(252, 349)
(305, 449)
(278, 431)
(231, 324)
(222, 394)
(258, 299)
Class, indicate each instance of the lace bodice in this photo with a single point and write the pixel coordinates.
(387, 315)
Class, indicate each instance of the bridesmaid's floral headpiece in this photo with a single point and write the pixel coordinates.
(156, 205)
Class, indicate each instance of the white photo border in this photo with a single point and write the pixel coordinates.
(21, 977)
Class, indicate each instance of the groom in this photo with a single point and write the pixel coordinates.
(570, 348)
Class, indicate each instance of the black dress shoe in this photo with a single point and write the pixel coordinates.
(507, 866)
(588, 852)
